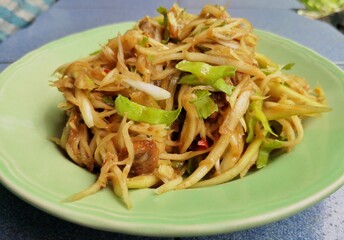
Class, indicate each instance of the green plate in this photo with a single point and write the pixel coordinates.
(38, 172)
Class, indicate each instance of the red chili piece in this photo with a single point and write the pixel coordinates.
(202, 144)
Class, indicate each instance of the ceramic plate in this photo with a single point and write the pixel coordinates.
(37, 171)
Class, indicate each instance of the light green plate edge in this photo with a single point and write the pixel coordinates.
(38, 172)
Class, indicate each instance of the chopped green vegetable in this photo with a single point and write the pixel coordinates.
(201, 94)
(263, 61)
(166, 35)
(144, 41)
(270, 69)
(287, 66)
(278, 110)
(257, 110)
(108, 100)
(255, 114)
(278, 89)
(162, 10)
(190, 79)
(218, 85)
(206, 72)
(205, 106)
(265, 150)
(150, 58)
(268, 66)
(251, 123)
(221, 85)
(140, 113)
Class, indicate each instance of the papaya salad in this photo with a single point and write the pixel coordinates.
(180, 101)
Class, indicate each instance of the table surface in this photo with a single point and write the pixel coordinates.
(19, 220)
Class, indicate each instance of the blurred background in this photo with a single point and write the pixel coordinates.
(17, 14)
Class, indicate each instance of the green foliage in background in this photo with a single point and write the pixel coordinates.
(323, 7)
